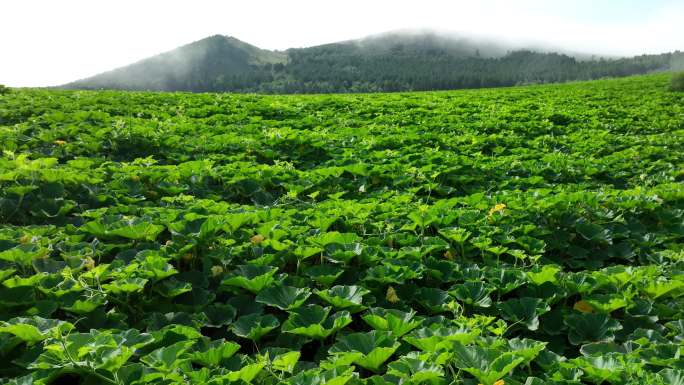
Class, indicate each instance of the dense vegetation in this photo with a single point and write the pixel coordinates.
(530, 235)
(390, 63)
(677, 82)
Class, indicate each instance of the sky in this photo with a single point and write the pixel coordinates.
(50, 42)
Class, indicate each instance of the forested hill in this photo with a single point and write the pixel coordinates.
(391, 62)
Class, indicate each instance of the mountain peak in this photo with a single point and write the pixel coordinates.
(400, 60)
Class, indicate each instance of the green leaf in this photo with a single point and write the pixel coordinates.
(657, 288)
(23, 254)
(593, 232)
(437, 337)
(35, 329)
(171, 287)
(217, 352)
(473, 293)
(526, 348)
(252, 278)
(548, 273)
(324, 275)
(152, 266)
(247, 374)
(333, 376)
(123, 226)
(167, 358)
(433, 299)
(525, 310)
(344, 297)
(609, 367)
(255, 326)
(606, 303)
(488, 365)
(368, 350)
(283, 297)
(125, 286)
(672, 376)
(395, 321)
(416, 370)
(313, 322)
(286, 362)
(590, 327)
(457, 235)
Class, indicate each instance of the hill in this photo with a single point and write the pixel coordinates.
(387, 62)
(196, 66)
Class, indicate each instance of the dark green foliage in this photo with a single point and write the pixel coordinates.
(4, 90)
(385, 63)
(530, 235)
(677, 82)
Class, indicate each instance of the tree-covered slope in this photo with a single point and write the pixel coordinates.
(388, 62)
(196, 66)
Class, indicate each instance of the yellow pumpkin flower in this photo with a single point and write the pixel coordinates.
(257, 239)
(499, 207)
(60, 142)
(583, 306)
(89, 263)
(216, 271)
(392, 295)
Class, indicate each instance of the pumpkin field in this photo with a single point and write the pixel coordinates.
(526, 235)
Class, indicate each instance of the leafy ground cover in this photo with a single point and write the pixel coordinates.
(515, 236)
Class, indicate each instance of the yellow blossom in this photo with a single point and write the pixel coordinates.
(392, 295)
(500, 382)
(497, 208)
(583, 306)
(257, 239)
(216, 271)
(89, 263)
(60, 142)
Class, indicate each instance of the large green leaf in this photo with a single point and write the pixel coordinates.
(283, 297)
(254, 326)
(526, 348)
(313, 321)
(286, 362)
(473, 293)
(590, 327)
(395, 321)
(368, 350)
(136, 228)
(35, 329)
(214, 353)
(598, 369)
(23, 254)
(167, 358)
(437, 337)
(414, 369)
(525, 311)
(344, 297)
(324, 275)
(488, 365)
(334, 376)
(251, 277)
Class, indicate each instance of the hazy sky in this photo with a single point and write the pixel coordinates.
(51, 42)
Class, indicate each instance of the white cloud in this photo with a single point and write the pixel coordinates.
(47, 42)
